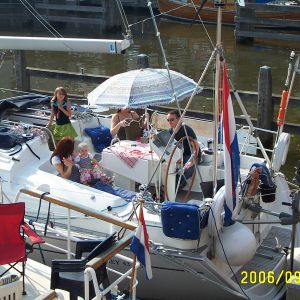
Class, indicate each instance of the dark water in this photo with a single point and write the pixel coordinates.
(187, 49)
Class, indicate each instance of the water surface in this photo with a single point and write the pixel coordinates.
(187, 49)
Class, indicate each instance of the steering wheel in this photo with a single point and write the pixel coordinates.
(180, 168)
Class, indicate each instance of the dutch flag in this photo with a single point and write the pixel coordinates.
(231, 151)
(140, 245)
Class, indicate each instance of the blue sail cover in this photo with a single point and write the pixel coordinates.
(23, 102)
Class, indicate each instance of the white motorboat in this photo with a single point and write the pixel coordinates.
(218, 263)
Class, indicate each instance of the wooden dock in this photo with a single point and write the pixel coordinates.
(250, 26)
(98, 15)
(263, 98)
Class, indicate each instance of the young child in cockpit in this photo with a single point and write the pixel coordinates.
(89, 167)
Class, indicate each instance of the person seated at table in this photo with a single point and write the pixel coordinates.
(125, 123)
(62, 159)
(173, 119)
(89, 168)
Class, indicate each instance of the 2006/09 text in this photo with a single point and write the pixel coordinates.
(269, 277)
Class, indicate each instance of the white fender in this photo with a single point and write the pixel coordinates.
(238, 242)
(215, 220)
(280, 151)
(231, 236)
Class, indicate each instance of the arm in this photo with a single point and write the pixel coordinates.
(146, 121)
(64, 172)
(115, 125)
(51, 117)
(191, 162)
(66, 111)
(95, 162)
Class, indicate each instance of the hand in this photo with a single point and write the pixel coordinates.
(188, 165)
(68, 162)
(123, 123)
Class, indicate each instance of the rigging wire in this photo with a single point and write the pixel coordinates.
(123, 16)
(171, 10)
(158, 15)
(224, 252)
(44, 22)
(2, 58)
(204, 27)
(173, 90)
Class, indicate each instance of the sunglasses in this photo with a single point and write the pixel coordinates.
(171, 120)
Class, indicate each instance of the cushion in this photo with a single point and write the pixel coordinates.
(100, 136)
(181, 220)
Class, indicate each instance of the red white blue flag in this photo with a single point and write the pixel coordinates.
(140, 245)
(231, 151)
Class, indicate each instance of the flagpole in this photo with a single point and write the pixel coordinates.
(219, 4)
(132, 291)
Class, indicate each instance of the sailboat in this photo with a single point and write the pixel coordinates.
(208, 249)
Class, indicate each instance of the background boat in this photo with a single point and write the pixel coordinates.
(186, 10)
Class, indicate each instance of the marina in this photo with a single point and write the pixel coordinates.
(236, 215)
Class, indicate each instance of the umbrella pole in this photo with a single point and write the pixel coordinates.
(147, 120)
(157, 187)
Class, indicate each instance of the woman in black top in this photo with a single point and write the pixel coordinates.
(125, 123)
(61, 110)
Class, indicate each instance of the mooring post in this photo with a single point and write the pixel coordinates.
(242, 24)
(22, 79)
(142, 61)
(265, 105)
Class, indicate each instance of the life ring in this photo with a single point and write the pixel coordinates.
(215, 220)
(280, 151)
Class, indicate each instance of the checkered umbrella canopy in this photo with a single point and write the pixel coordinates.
(142, 88)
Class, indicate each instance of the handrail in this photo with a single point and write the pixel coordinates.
(50, 295)
(97, 262)
(101, 216)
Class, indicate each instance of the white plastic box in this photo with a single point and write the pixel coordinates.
(10, 287)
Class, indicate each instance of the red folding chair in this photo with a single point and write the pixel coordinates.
(12, 240)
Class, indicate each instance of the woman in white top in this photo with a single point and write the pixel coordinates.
(61, 159)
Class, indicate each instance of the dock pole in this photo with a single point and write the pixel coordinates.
(22, 80)
(265, 106)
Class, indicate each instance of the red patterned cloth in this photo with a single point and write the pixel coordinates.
(131, 154)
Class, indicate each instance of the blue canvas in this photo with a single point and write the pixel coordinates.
(181, 220)
(100, 136)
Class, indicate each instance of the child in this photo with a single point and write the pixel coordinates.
(89, 168)
(61, 110)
